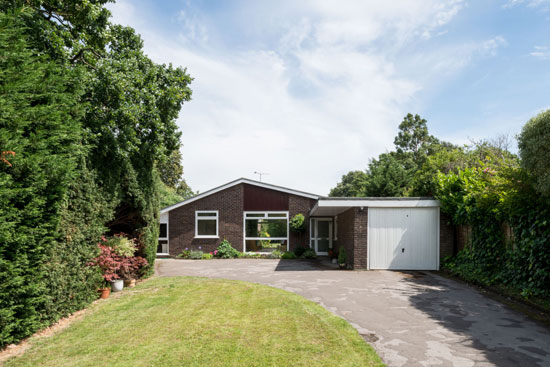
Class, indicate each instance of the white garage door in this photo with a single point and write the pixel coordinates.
(403, 238)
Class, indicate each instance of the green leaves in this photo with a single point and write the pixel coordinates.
(535, 155)
(88, 116)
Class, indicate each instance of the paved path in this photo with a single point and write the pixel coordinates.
(412, 319)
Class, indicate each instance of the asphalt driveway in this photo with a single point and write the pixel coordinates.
(411, 318)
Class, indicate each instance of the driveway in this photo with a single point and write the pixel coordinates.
(411, 318)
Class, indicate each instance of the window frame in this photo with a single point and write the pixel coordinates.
(167, 238)
(213, 217)
(266, 217)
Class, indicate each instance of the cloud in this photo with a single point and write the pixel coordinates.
(320, 97)
(543, 5)
(541, 52)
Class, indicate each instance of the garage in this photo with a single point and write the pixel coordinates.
(399, 233)
(403, 238)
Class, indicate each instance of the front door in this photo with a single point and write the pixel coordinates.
(322, 235)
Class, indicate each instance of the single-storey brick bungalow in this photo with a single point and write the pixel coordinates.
(377, 233)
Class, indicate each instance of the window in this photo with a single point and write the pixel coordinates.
(163, 233)
(206, 224)
(266, 232)
(162, 247)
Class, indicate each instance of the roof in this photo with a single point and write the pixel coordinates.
(329, 206)
(235, 183)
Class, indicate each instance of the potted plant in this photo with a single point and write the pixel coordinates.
(104, 292)
(342, 257)
(109, 263)
(130, 269)
(117, 285)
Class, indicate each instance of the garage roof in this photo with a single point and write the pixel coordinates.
(329, 206)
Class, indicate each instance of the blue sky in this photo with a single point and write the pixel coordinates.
(309, 90)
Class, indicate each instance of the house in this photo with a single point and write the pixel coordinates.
(377, 233)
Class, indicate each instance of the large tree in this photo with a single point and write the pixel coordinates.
(387, 176)
(40, 121)
(353, 184)
(88, 116)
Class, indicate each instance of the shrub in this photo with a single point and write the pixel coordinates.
(342, 258)
(109, 262)
(250, 255)
(132, 267)
(208, 256)
(288, 255)
(121, 245)
(113, 266)
(226, 251)
(299, 251)
(185, 254)
(297, 223)
(274, 255)
(534, 152)
(196, 255)
(309, 254)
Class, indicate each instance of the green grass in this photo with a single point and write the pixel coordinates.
(203, 322)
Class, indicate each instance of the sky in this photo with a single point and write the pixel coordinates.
(308, 90)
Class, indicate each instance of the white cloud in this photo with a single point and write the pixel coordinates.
(540, 4)
(541, 52)
(321, 100)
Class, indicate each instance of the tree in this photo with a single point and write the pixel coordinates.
(133, 126)
(533, 149)
(413, 142)
(352, 185)
(40, 122)
(184, 190)
(424, 182)
(88, 116)
(170, 169)
(387, 176)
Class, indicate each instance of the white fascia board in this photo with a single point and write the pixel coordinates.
(234, 183)
(377, 203)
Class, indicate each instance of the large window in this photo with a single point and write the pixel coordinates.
(206, 224)
(266, 231)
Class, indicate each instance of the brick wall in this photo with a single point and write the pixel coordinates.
(360, 238)
(352, 234)
(299, 204)
(447, 236)
(181, 222)
(346, 229)
(463, 236)
(229, 204)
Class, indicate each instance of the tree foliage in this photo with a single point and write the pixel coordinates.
(40, 122)
(391, 174)
(491, 197)
(352, 185)
(534, 151)
(387, 176)
(88, 118)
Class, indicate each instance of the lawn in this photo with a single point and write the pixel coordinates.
(187, 321)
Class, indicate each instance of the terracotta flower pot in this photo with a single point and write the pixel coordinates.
(104, 293)
(130, 283)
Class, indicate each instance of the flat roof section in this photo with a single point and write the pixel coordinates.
(330, 206)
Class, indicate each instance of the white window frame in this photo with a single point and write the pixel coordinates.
(266, 216)
(165, 238)
(313, 236)
(216, 217)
